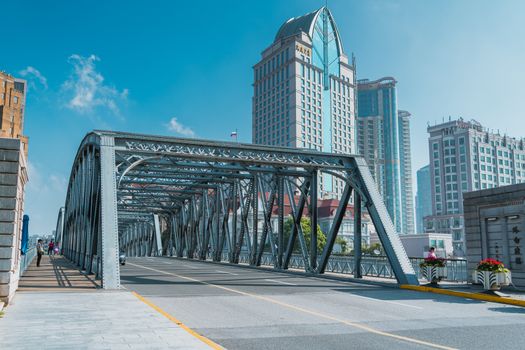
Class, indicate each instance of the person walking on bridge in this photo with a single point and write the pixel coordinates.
(50, 247)
(39, 252)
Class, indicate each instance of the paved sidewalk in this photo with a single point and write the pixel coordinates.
(58, 307)
(99, 320)
(55, 273)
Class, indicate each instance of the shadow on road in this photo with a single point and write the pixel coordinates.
(509, 309)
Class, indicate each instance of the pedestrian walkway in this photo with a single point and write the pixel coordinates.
(42, 316)
(88, 320)
(55, 273)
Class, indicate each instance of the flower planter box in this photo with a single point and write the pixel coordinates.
(434, 273)
(492, 280)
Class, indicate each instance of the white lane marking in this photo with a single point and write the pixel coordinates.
(307, 311)
(226, 272)
(281, 282)
(385, 301)
(189, 266)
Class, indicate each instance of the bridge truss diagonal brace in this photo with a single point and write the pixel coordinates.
(388, 236)
(110, 246)
(158, 242)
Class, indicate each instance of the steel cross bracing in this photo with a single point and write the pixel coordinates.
(152, 195)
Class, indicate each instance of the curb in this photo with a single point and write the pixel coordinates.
(477, 296)
(190, 331)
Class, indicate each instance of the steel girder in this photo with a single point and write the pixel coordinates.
(152, 195)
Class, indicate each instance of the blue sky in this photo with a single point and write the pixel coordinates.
(148, 66)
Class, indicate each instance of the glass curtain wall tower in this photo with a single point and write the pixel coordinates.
(304, 91)
(383, 138)
(423, 197)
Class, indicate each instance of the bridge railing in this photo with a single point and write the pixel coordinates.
(372, 266)
(27, 259)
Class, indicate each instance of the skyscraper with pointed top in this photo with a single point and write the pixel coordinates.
(304, 90)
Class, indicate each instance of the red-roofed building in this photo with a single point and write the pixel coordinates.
(326, 210)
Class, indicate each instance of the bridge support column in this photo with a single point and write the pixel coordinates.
(110, 263)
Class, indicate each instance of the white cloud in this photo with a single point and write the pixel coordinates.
(45, 194)
(42, 183)
(86, 89)
(175, 126)
(33, 75)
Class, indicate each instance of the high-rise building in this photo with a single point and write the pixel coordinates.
(12, 105)
(383, 138)
(466, 157)
(407, 192)
(304, 90)
(423, 197)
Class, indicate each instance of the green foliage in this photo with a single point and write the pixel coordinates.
(438, 262)
(343, 243)
(306, 227)
(372, 249)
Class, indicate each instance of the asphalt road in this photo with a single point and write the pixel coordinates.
(242, 308)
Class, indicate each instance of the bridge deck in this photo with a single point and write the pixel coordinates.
(55, 273)
(244, 308)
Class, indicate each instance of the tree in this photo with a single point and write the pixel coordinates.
(306, 227)
(343, 243)
(373, 249)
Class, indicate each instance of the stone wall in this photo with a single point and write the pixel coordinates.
(13, 177)
(495, 228)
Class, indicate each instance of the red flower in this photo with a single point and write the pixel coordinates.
(490, 264)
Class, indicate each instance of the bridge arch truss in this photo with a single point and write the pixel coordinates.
(153, 195)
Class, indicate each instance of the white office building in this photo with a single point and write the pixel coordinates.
(466, 157)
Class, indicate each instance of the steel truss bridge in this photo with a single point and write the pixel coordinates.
(199, 199)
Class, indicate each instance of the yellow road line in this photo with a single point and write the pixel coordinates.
(307, 311)
(210, 343)
(468, 295)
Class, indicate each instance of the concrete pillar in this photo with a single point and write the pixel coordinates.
(13, 177)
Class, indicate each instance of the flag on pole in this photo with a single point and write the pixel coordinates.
(234, 134)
